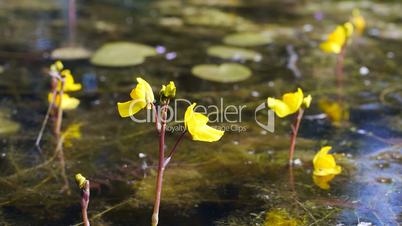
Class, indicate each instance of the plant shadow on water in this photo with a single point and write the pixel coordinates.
(241, 180)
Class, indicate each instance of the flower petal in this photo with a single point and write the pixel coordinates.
(130, 108)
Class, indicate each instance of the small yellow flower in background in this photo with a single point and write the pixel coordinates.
(335, 111)
(72, 132)
(68, 102)
(196, 123)
(358, 21)
(80, 180)
(324, 163)
(323, 181)
(168, 91)
(142, 97)
(337, 39)
(57, 66)
(290, 103)
(69, 83)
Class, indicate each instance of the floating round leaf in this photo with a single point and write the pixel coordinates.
(70, 53)
(248, 39)
(122, 54)
(7, 126)
(225, 73)
(227, 52)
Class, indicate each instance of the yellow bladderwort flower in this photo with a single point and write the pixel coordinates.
(290, 103)
(337, 39)
(80, 180)
(324, 163)
(336, 112)
(196, 123)
(142, 97)
(69, 83)
(323, 181)
(68, 103)
(57, 66)
(168, 91)
(358, 21)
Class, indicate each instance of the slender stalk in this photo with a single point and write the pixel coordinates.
(157, 124)
(339, 65)
(167, 160)
(42, 129)
(295, 130)
(85, 193)
(59, 118)
(161, 168)
(72, 21)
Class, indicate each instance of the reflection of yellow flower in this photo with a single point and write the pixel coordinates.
(142, 96)
(69, 84)
(168, 91)
(337, 39)
(323, 181)
(278, 217)
(335, 111)
(196, 123)
(80, 180)
(73, 131)
(324, 163)
(358, 21)
(68, 103)
(290, 103)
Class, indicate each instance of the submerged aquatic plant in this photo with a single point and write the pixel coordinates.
(195, 123)
(290, 104)
(325, 168)
(83, 185)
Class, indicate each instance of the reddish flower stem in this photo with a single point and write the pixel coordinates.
(85, 193)
(173, 151)
(295, 130)
(161, 167)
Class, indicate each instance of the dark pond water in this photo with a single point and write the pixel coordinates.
(239, 180)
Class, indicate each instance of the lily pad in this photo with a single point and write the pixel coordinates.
(122, 54)
(224, 73)
(248, 39)
(228, 52)
(70, 53)
(7, 126)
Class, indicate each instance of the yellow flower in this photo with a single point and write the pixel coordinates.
(57, 66)
(337, 39)
(196, 123)
(358, 21)
(80, 180)
(335, 111)
(73, 131)
(324, 163)
(290, 103)
(168, 91)
(323, 181)
(68, 103)
(142, 97)
(69, 84)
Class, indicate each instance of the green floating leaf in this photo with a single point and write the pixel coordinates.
(7, 126)
(248, 39)
(228, 52)
(70, 53)
(122, 54)
(225, 73)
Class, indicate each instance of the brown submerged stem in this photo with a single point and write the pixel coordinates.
(161, 167)
(339, 65)
(295, 130)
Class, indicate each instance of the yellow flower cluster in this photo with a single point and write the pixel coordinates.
(290, 103)
(67, 102)
(143, 97)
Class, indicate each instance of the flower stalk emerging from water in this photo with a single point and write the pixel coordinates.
(290, 104)
(195, 123)
(83, 184)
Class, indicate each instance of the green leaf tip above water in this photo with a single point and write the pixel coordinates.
(248, 39)
(122, 54)
(235, 53)
(224, 73)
